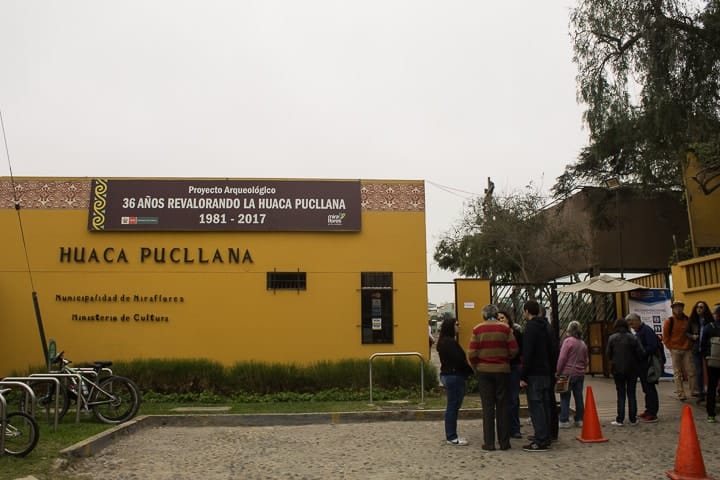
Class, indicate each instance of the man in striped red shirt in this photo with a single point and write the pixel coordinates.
(492, 345)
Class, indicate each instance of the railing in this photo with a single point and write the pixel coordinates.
(77, 376)
(3, 423)
(31, 394)
(654, 280)
(702, 272)
(401, 354)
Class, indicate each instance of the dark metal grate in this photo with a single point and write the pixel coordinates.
(286, 280)
(376, 280)
(583, 307)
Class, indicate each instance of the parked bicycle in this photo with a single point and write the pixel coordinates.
(112, 398)
(21, 432)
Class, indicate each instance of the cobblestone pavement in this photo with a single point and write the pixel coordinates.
(408, 449)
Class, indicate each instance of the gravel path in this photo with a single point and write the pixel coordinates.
(401, 450)
(387, 450)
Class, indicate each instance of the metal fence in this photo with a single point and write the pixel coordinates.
(583, 307)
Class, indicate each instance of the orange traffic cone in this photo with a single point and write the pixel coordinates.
(688, 458)
(591, 431)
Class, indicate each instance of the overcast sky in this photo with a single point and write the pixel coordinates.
(450, 92)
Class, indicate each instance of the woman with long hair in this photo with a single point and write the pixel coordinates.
(699, 317)
(454, 371)
(573, 363)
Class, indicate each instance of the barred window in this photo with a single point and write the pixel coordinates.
(376, 280)
(286, 280)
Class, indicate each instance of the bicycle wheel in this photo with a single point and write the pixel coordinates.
(21, 434)
(116, 401)
(45, 393)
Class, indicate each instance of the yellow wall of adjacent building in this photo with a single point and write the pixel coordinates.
(697, 279)
(222, 311)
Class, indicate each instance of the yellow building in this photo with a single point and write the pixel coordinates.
(291, 271)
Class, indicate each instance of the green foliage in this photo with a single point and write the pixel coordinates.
(207, 381)
(649, 75)
(505, 238)
(177, 375)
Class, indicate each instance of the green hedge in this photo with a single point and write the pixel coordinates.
(256, 378)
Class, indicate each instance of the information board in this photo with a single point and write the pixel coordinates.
(224, 205)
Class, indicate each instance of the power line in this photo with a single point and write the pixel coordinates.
(16, 200)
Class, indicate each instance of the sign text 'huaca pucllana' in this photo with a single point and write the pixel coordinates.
(224, 205)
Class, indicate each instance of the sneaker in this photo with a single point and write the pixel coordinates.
(711, 420)
(579, 423)
(534, 447)
(643, 415)
(564, 424)
(458, 441)
(649, 419)
(634, 424)
(616, 423)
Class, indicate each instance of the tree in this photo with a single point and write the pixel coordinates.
(507, 238)
(649, 75)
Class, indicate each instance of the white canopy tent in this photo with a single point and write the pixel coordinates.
(601, 284)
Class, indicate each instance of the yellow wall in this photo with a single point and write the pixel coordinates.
(226, 313)
(697, 279)
(702, 192)
(471, 295)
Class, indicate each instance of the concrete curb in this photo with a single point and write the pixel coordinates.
(96, 443)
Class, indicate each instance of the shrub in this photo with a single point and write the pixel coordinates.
(192, 376)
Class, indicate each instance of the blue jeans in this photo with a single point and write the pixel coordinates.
(538, 395)
(455, 390)
(514, 399)
(575, 388)
(625, 385)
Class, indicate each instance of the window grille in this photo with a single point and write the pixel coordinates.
(376, 280)
(286, 280)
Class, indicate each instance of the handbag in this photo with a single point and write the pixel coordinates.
(562, 384)
(655, 369)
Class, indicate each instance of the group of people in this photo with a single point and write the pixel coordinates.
(505, 358)
(690, 342)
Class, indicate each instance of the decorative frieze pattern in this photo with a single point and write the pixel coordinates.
(74, 193)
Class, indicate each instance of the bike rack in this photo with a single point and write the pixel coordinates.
(92, 371)
(3, 423)
(12, 382)
(22, 380)
(63, 375)
(401, 354)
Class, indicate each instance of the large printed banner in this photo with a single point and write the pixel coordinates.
(224, 205)
(653, 307)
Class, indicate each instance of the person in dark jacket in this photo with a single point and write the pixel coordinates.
(711, 330)
(513, 395)
(538, 366)
(454, 371)
(699, 317)
(626, 355)
(650, 343)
